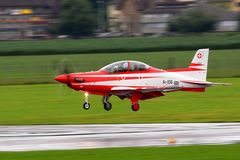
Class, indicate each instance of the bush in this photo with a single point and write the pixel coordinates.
(192, 21)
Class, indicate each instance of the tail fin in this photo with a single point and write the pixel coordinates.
(200, 61)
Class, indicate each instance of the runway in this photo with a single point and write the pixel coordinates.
(60, 137)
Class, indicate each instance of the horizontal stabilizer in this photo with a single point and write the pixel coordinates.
(205, 83)
(222, 84)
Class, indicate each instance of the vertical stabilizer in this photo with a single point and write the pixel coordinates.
(200, 62)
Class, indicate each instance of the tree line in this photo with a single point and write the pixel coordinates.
(78, 18)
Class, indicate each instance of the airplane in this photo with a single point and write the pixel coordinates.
(138, 81)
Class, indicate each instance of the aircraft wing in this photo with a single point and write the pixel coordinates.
(144, 89)
(143, 92)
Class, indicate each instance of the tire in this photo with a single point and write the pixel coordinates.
(107, 106)
(86, 106)
(135, 107)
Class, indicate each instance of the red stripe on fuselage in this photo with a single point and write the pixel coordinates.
(113, 78)
(184, 70)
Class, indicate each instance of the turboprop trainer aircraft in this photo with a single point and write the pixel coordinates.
(139, 81)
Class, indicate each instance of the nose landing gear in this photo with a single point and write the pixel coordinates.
(86, 105)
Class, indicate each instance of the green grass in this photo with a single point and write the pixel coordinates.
(41, 69)
(52, 104)
(118, 45)
(211, 152)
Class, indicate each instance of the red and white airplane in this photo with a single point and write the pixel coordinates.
(138, 81)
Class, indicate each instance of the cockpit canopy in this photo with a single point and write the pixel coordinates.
(125, 66)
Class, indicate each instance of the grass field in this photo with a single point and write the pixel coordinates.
(41, 69)
(54, 104)
(212, 152)
(118, 45)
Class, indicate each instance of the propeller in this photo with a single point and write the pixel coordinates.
(63, 71)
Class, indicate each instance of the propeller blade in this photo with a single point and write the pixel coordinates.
(62, 73)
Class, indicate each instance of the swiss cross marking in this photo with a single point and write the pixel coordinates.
(199, 55)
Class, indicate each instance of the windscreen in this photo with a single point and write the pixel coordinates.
(122, 66)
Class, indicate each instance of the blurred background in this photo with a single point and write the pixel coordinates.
(46, 19)
(40, 39)
(83, 33)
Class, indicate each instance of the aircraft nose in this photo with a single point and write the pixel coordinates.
(62, 78)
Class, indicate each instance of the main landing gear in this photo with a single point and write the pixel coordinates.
(135, 105)
(106, 104)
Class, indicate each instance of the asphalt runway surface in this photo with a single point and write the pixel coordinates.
(60, 137)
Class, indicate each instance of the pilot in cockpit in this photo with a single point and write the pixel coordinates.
(115, 69)
(123, 67)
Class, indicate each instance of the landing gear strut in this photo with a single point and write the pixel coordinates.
(86, 105)
(107, 105)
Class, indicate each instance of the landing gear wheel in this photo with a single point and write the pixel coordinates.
(107, 106)
(135, 107)
(86, 105)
